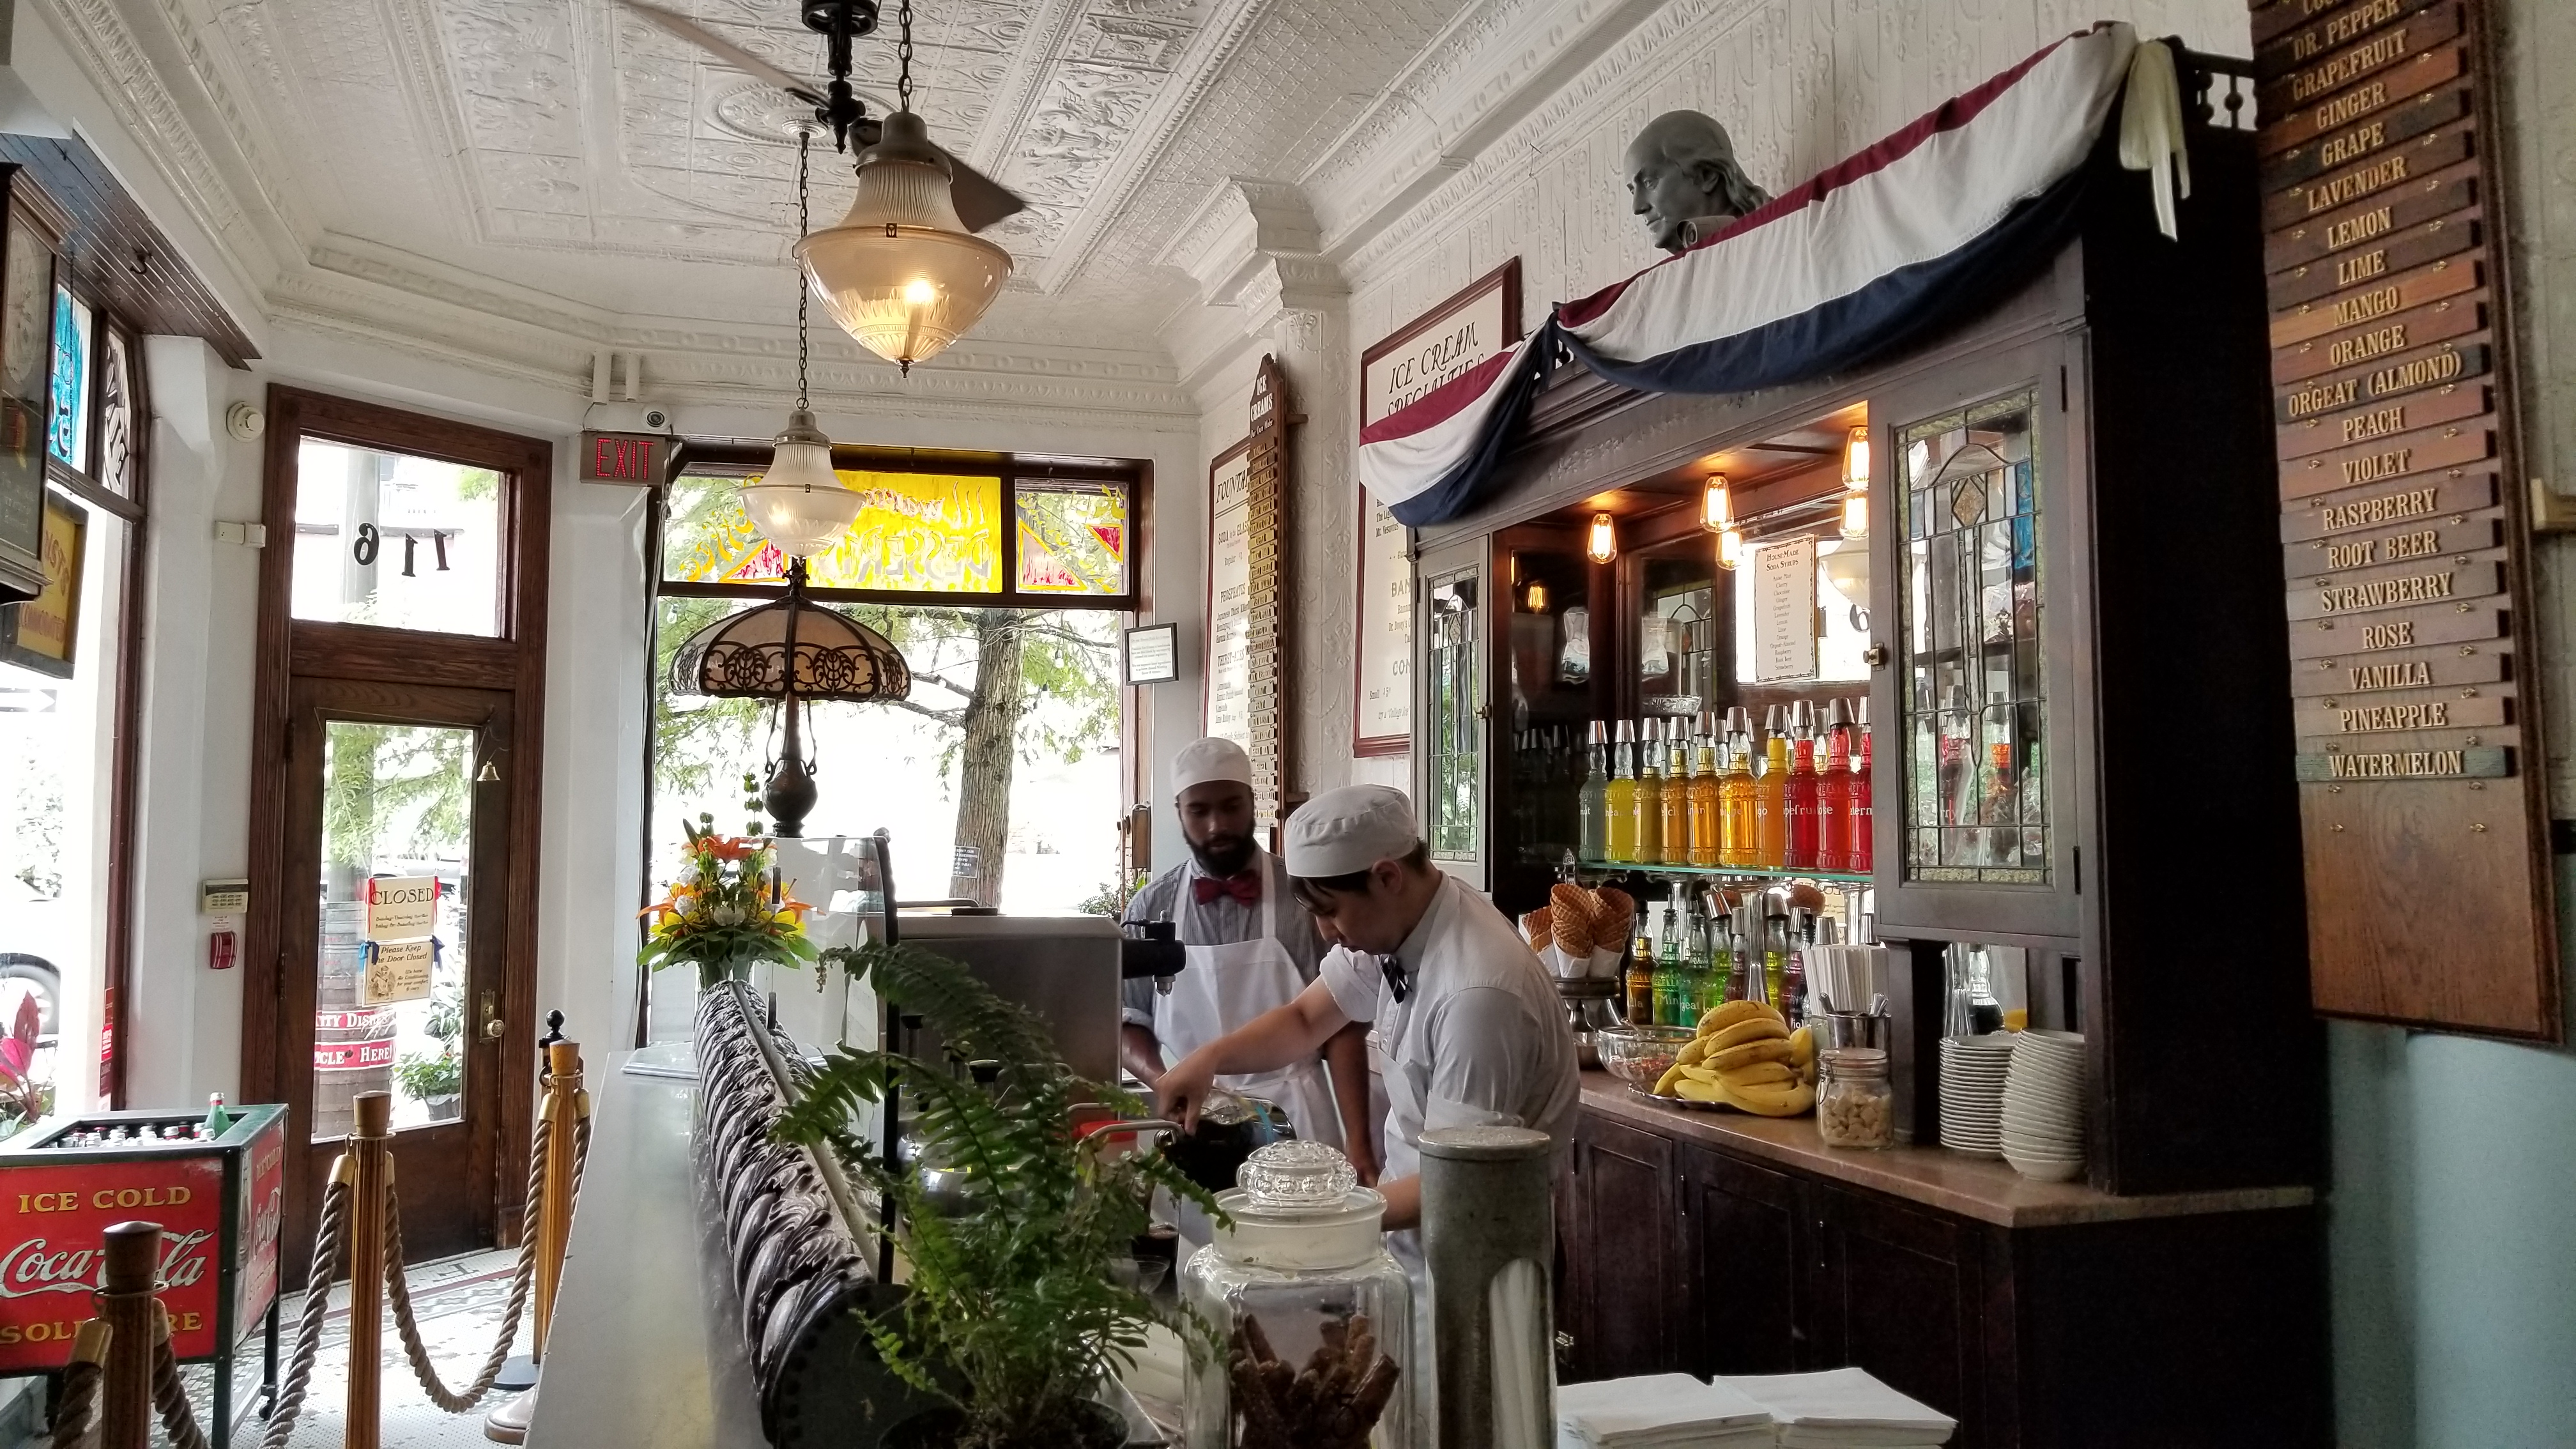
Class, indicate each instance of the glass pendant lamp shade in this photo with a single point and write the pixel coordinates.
(901, 273)
(799, 505)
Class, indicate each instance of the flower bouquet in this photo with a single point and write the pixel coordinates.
(728, 913)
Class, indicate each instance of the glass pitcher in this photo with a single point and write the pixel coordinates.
(1313, 1317)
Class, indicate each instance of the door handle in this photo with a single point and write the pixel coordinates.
(493, 1026)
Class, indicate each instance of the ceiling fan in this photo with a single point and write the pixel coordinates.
(980, 200)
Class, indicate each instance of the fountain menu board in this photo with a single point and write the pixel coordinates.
(2419, 767)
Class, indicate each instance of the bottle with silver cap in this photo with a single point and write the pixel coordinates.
(1770, 795)
(1704, 829)
(1864, 840)
(1799, 793)
(1833, 791)
(1593, 806)
(1619, 800)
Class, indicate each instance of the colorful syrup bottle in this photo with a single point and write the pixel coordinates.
(1641, 974)
(1669, 1004)
(1706, 834)
(1592, 804)
(1833, 792)
(1770, 796)
(1775, 950)
(1864, 840)
(1681, 774)
(1800, 792)
(1648, 807)
(1738, 832)
(1619, 799)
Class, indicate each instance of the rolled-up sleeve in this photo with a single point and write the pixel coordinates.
(1485, 1062)
(1136, 1002)
(1354, 979)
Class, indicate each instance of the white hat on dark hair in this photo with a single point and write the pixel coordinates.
(1345, 831)
(1201, 762)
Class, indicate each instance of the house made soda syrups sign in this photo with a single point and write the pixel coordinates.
(2402, 526)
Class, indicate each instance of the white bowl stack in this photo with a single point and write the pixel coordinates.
(2044, 1106)
(1973, 1069)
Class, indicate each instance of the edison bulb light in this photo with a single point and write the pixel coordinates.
(1855, 515)
(1716, 505)
(1856, 461)
(1730, 548)
(1602, 543)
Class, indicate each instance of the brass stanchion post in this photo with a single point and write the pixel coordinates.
(566, 1103)
(372, 1164)
(125, 1305)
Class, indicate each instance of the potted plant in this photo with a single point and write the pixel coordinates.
(437, 1080)
(24, 1098)
(1012, 1314)
(728, 913)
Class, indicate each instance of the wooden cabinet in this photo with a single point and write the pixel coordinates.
(2145, 1323)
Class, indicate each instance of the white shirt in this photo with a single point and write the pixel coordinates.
(1478, 1041)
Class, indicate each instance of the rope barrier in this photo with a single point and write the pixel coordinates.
(169, 1394)
(76, 1409)
(327, 1243)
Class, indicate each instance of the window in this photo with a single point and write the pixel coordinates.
(1024, 816)
(396, 541)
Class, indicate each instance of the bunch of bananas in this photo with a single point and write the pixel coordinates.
(1746, 1057)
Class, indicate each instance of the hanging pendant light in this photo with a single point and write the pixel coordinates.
(901, 273)
(1716, 504)
(1856, 484)
(799, 505)
(1601, 541)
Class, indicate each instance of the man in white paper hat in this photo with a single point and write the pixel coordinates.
(1250, 950)
(1470, 1027)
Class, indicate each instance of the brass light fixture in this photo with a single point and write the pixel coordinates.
(1601, 542)
(901, 273)
(799, 505)
(793, 651)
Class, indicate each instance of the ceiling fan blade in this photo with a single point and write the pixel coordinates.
(723, 50)
(980, 200)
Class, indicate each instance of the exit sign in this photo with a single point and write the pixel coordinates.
(622, 458)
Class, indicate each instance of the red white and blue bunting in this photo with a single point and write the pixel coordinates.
(1894, 246)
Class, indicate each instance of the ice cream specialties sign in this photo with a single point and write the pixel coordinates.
(1441, 344)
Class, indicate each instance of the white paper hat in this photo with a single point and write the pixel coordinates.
(1210, 759)
(1344, 831)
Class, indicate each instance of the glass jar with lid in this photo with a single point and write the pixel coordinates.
(1313, 1317)
(1855, 1106)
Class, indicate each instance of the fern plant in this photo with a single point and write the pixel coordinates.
(1010, 1311)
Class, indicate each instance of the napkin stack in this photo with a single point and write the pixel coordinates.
(1841, 1409)
(1659, 1411)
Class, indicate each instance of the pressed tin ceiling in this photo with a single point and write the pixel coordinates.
(565, 146)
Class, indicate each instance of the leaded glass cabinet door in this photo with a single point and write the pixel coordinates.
(1452, 663)
(1975, 721)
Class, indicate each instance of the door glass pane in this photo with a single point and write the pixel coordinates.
(1548, 611)
(389, 1000)
(1453, 820)
(1975, 733)
(398, 541)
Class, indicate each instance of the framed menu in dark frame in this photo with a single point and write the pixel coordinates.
(30, 237)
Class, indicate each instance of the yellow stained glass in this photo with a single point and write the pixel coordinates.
(932, 533)
(1073, 537)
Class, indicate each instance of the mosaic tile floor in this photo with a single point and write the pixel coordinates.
(458, 1302)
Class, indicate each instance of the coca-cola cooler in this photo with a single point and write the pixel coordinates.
(65, 1181)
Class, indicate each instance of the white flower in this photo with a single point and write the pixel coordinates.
(728, 915)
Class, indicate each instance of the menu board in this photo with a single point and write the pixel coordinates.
(2418, 757)
(1265, 631)
(1784, 610)
(1229, 602)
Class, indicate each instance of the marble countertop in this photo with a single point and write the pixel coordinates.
(1985, 1189)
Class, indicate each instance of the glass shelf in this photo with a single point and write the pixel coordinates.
(1736, 872)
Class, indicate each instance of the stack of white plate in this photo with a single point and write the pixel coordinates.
(2044, 1106)
(1973, 1069)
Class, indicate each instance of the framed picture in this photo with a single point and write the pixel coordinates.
(1153, 654)
(43, 633)
(1480, 320)
(29, 236)
(1228, 660)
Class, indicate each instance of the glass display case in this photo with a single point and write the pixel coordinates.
(1450, 785)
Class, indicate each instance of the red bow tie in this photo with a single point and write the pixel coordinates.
(1243, 885)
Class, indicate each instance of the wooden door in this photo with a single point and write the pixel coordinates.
(396, 959)
(1741, 1223)
(1629, 1297)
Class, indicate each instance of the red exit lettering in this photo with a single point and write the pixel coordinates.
(622, 460)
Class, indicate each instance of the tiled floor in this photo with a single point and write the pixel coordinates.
(458, 1302)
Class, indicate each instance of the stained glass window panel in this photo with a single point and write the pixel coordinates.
(115, 464)
(1073, 537)
(932, 533)
(67, 431)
